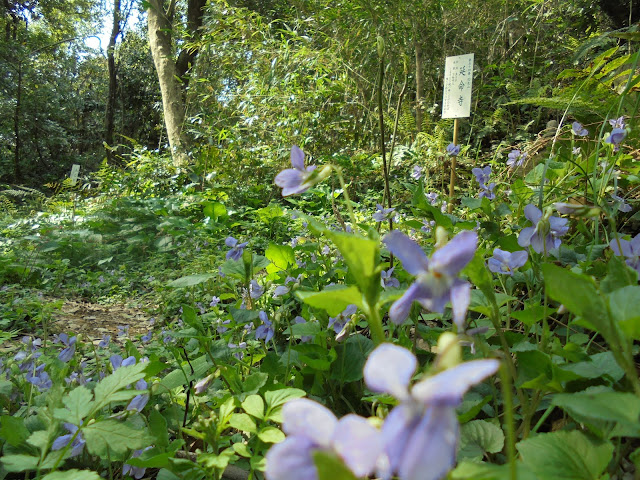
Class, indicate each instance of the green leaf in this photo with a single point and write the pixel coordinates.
(271, 435)
(242, 450)
(619, 275)
(19, 463)
(623, 305)
(12, 430)
(158, 428)
(352, 356)
(361, 256)
(481, 278)
(334, 299)
(565, 455)
(72, 474)
(281, 257)
(471, 470)
(108, 390)
(275, 398)
(479, 437)
(254, 405)
(330, 467)
(532, 314)
(578, 293)
(191, 280)
(243, 422)
(107, 437)
(599, 365)
(79, 403)
(599, 408)
(317, 357)
(254, 382)
(214, 210)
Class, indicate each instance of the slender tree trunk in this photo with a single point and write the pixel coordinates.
(160, 26)
(419, 85)
(113, 81)
(17, 171)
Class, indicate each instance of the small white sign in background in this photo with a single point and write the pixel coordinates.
(458, 76)
(75, 169)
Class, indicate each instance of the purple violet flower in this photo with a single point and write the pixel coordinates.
(63, 440)
(417, 172)
(578, 129)
(487, 191)
(543, 235)
(255, 290)
(303, 338)
(117, 361)
(616, 137)
(214, 301)
(436, 278)
(135, 472)
(296, 180)
(383, 214)
(618, 122)
(420, 435)
(70, 347)
(39, 378)
(202, 385)
(280, 290)
(620, 204)
(312, 427)
(264, 331)
(139, 401)
(342, 318)
(629, 249)
(482, 175)
(516, 158)
(237, 249)
(386, 280)
(507, 262)
(453, 150)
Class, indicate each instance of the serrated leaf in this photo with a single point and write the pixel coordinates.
(254, 382)
(479, 437)
(271, 435)
(281, 257)
(254, 405)
(333, 299)
(109, 386)
(79, 403)
(19, 463)
(72, 474)
(565, 455)
(243, 422)
(107, 437)
(12, 430)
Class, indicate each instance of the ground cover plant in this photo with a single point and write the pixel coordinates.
(309, 302)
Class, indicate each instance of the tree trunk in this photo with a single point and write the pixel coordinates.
(160, 27)
(419, 85)
(111, 99)
(17, 171)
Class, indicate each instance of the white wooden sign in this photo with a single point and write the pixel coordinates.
(75, 169)
(458, 76)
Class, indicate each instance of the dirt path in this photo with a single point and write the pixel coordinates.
(92, 321)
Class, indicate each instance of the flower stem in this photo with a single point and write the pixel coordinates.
(507, 396)
(352, 216)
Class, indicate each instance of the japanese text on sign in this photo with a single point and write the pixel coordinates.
(458, 76)
(75, 169)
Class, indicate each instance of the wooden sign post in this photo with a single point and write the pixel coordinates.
(456, 102)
